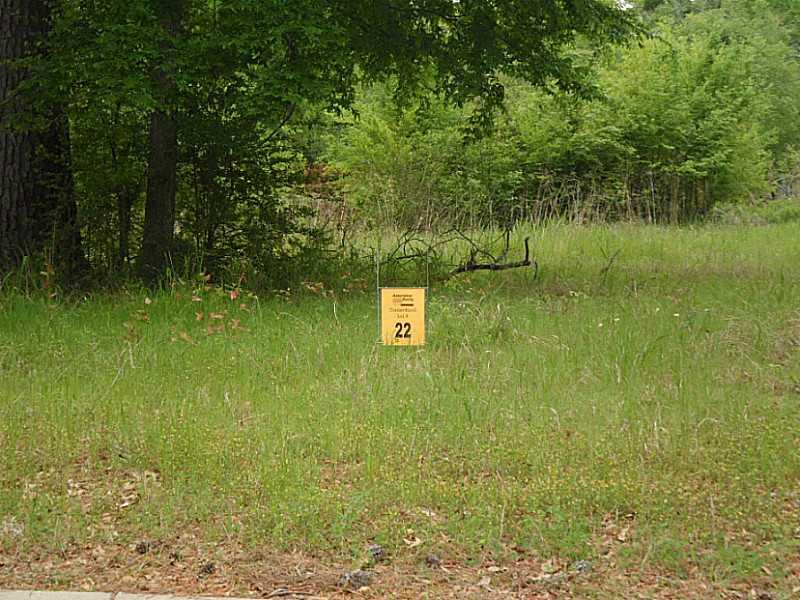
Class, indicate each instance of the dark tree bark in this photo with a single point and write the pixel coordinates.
(158, 235)
(37, 203)
(58, 226)
(18, 32)
(125, 199)
(159, 212)
(126, 195)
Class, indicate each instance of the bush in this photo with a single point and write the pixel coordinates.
(704, 113)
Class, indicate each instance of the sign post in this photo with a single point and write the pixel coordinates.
(403, 316)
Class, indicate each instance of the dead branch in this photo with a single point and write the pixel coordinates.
(471, 265)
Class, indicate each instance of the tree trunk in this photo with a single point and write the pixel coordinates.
(125, 199)
(58, 228)
(159, 211)
(37, 203)
(159, 214)
(18, 31)
(126, 194)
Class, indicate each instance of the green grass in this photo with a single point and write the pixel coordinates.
(659, 390)
(774, 212)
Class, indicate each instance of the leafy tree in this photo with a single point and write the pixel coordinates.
(37, 205)
(220, 78)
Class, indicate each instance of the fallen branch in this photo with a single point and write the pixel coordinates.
(471, 265)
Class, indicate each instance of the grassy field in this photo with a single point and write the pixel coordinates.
(637, 406)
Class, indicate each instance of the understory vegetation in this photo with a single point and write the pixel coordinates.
(635, 404)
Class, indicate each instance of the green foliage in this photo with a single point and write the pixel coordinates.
(239, 77)
(416, 168)
(703, 112)
(684, 107)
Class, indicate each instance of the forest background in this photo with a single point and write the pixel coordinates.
(270, 172)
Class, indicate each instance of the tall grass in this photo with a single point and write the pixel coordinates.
(648, 375)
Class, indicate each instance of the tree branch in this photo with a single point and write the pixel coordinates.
(470, 265)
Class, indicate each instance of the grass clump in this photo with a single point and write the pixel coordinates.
(774, 212)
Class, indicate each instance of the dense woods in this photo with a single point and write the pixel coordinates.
(145, 137)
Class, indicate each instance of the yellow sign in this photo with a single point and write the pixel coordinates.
(403, 316)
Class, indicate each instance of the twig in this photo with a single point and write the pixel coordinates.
(475, 248)
(284, 120)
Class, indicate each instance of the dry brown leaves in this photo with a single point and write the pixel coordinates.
(186, 565)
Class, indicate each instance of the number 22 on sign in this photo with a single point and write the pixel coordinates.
(403, 316)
